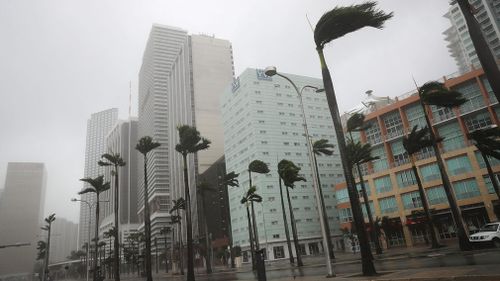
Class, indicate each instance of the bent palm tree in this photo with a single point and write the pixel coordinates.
(203, 189)
(413, 143)
(115, 160)
(333, 25)
(488, 143)
(435, 93)
(285, 221)
(179, 204)
(357, 123)
(144, 146)
(290, 174)
(322, 147)
(250, 197)
(49, 220)
(231, 180)
(256, 166)
(190, 141)
(97, 186)
(483, 51)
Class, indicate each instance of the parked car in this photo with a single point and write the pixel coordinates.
(488, 234)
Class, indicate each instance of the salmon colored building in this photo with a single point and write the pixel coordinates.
(391, 185)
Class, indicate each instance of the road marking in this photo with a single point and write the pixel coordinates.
(435, 255)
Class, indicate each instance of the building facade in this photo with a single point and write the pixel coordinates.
(122, 139)
(98, 127)
(262, 120)
(460, 46)
(64, 239)
(21, 216)
(179, 83)
(391, 184)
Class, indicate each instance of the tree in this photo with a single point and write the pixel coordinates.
(289, 173)
(415, 141)
(322, 147)
(48, 227)
(145, 145)
(165, 231)
(435, 93)
(256, 166)
(190, 141)
(230, 180)
(250, 197)
(357, 123)
(483, 51)
(97, 186)
(115, 160)
(285, 221)
(333, 25)
(488, 142)
(203, 189)
(179, 204)
(42, 249)
(112, 233)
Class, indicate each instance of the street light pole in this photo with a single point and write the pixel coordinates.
(271, 71)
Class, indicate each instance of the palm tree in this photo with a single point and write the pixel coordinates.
(97, 186)
(413, 143)
(203, 189)
(256, 166)
(190, 141)
(333, 25)
(179, 204)
(435, 93)
(42, 248)
(231, 180)
(322, 147)
(145, 145)
(111, 233)
(290, 174)
(49, 220)
(488, 143)
(285, 221)
(164, 231)
(357, 123)
(115, 160)
(250, 197)
(483, 51)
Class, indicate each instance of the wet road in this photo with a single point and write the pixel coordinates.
(391, 264)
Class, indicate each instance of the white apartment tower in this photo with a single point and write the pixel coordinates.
(180, 81)
(262, 120)
(98, 127)
(459, 42)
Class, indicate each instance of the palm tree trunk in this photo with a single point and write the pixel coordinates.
(181, 247)
(47, 250)
(285, 222)
(366, 256)
(166, 251)
(147, 224)
(373, 233)
(425, 204)
(254, 222)
(117, 241)
(207, 241)
(229, 228)
(483, 51)
(463, 239)
(325, 216)
(493, 179)
(96, 237)
(294, 230)
(250, 237)
(189, 226)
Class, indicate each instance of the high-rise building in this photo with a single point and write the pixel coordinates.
(98, 127)
(64, 239)
(122, 139)
(179, 83)
(21, 216)
(262, 120)
(391, 184)
(460, 46)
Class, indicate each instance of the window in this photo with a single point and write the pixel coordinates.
(453, 136)
(270, 199)
(363, 208)
(381, 163)
(458, 165)
(276, 236)
(415, 116)
(491, 94)
(373, 133)
(393, 124)
(278, 252)
(272, 210)
(441, 113)
(383, 184)
(342, 195)
(470, 90)
(466, 189)
(367, 188)
(388, 205)
(489, 185)
(399, 153)
(274, 222)
(478, 121)
(405, 178)
(436, 195)
(411, 200)
(345, 215)
(305, 197)
(430, 172)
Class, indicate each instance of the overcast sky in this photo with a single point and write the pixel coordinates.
(61, 61)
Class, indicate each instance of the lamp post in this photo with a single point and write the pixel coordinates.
(271, 71)
(90, 205)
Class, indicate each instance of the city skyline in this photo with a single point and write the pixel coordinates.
(73, 89)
